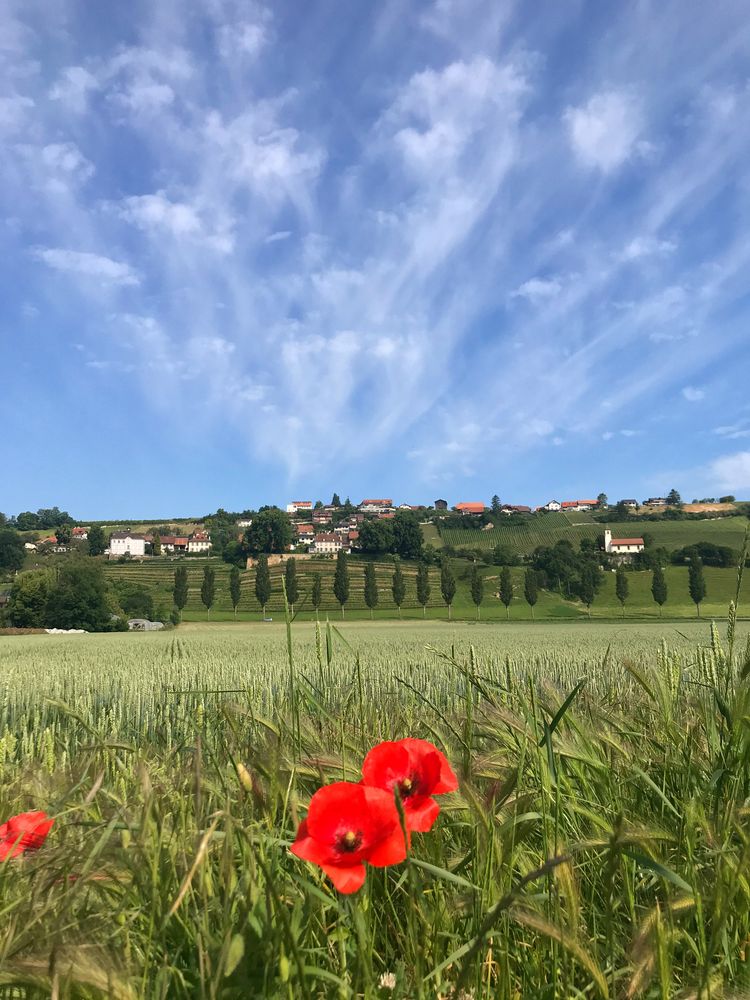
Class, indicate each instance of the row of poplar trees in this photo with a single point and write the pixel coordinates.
(341, 586)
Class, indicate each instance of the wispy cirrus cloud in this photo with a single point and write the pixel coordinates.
(420, 232)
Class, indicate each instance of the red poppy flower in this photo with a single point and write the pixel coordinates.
(25, 832)
(348, 824)
(418, 770)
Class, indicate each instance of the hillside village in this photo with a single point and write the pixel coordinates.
(320, 529)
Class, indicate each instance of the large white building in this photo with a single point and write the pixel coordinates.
(299, 507)
(199, 541)
(330, 544)
(376, 506)
(127, 543)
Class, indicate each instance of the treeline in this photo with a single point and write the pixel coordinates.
(41, 520)
(77, 596)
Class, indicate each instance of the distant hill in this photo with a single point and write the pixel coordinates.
(546, 529)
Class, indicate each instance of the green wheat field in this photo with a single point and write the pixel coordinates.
(598, 846)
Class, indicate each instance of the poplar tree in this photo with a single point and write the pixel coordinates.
(659, 587)
(447, 585)
(696, 582)
(262, 582)
(506, 589)
(423, 586)
(290, 583)
(208, 588)
(477, 589)
(180, 589)
(622, 588)
(398, 587)
(341, 580)
(371, 587)
(531, 588)
(235, 588)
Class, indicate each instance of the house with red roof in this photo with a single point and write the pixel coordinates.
(468, 507)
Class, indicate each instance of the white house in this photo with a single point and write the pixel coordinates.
(655, 502)
(299, 507)
(377, 506)
(631, 504)
(29, 546)
(80, 534)
(123, 543)
(198, 542)
(244, 522)
(328, 543)
(622, 546)
(552, 505)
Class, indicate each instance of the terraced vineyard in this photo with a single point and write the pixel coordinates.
(158, 576)
(547, 529)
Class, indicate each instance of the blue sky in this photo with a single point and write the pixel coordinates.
(413, 249)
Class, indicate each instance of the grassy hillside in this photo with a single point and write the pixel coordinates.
(546, 529)
(157, 575)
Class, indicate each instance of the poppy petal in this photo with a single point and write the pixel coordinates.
(348, 879)
(340, 805)
(421, 814)
(391, 851)
(418, 750)
(309, 849)
(386, 765)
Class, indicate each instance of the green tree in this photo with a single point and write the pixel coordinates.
(12, 552)
(696, 582)
(423, 586)
(262, 582)
(341, 580)
(674, 498)
(335, 500)
(156, 545)
(398, 586)
(78, 599)
(447, 585)
(271, 531)
(135, 600)
(602, 500)
(371, 587)
(290, 582)
(97, 540)
(588, 586)
(531, 588)
(208, 588)
(180, 588)
(622, 588)
(506, 589)
(407, 535)
(28, 599)
(316, 595)
(477, 588)
(376, 537)
(495, 504)
(64, 534)
(235, 588)
(659, 587)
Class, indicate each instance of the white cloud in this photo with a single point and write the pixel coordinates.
(692, 394)
(443, 110)
(647, 246)
(604, 131)
(733, 431)
(14, 111)
(89, 265)
(538, 289)
(73, 88)
(65, 160)
(731, 472)
(156, 214)
(244, 39)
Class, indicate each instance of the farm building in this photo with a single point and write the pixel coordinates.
(441, 505)
(579, 505)
(174, 543)
(553, 505)
(655, 502)
(80, 534)
(144, 625)
(299, 507)
(469, 507)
